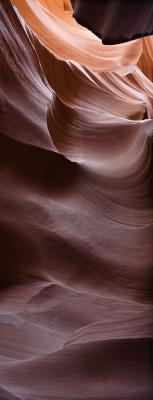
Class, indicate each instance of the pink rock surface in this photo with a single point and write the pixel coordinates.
(76, 209)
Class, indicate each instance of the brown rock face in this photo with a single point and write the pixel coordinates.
(76, 209)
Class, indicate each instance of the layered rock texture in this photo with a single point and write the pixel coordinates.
(76, 208)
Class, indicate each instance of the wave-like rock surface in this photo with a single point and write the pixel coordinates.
(76, 209)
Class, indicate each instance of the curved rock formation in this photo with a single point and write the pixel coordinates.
(115, 21)
(76, 209)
